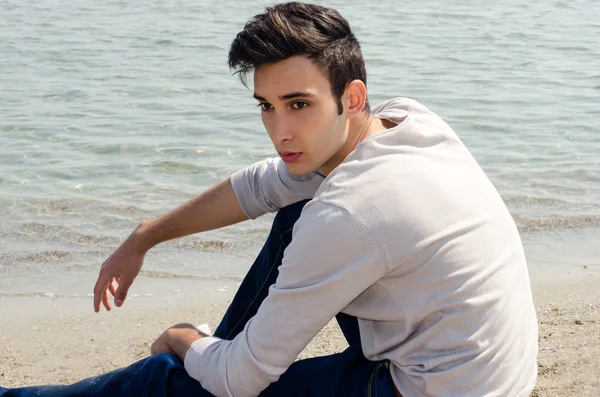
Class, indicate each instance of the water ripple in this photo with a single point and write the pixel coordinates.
(113, 112)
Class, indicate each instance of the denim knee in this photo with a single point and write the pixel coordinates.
(164, 361)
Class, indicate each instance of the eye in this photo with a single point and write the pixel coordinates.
(299, 105)
(265, 107)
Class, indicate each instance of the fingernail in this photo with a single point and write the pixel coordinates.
(118, 302)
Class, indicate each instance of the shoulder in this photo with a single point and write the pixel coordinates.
(331, 237)
(322, 221)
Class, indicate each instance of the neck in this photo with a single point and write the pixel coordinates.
(359, 129)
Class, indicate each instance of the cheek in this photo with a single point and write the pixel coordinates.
(264, 119)
(315, 127)
(326, 137)
(336, 128)
(266, 123)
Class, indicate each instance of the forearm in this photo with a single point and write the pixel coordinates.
(177, 340)
(217, 207)
(181, 337)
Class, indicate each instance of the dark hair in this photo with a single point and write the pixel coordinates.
(291, 29)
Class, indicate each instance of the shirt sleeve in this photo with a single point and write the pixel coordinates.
(331, 260)
(267, 186)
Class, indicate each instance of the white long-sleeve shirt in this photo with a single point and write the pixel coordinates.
(409, 236)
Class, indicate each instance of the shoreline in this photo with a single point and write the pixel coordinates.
(64, 341)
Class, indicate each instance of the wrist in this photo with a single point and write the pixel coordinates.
(181, 337)
(143, 237)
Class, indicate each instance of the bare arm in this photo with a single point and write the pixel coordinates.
(217, 207)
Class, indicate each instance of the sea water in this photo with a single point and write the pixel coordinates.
(114, 112)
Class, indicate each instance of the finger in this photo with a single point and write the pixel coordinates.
(99, 288)
(112, 287)
(106, 301)
(121, 294)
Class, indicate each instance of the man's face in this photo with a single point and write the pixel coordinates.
(300, 114)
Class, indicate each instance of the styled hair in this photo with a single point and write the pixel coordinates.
(290, 29)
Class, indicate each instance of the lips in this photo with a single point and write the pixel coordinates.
(290, 157)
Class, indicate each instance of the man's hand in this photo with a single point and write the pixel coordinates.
(217, 207)
(119, 271)
(177, 340)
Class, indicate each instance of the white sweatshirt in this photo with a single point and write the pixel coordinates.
(409, 236)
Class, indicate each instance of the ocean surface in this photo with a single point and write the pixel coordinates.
(114, 112)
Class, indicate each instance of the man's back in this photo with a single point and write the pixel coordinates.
(456, 299)
(450, 305)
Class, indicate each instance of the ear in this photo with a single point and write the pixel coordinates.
(356, 97)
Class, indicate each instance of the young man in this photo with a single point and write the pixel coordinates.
(404, 240)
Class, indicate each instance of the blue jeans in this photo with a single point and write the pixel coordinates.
(347, 374)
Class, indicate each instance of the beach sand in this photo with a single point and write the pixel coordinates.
(60, 340)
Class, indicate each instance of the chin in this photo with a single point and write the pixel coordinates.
(300, 169)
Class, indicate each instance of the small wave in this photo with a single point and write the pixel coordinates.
(203, 46)
(165, 42)
(30, 295)
(52, 295)
(55, 233)
(557, 222)
(564, 4)
(521, 201)
(117, 148)
(157, 274)
(177, 166)
(67, 95)
(46, 256)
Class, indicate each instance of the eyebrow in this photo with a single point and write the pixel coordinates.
(291, 95)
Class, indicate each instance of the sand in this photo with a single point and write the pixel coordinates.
(60, 340)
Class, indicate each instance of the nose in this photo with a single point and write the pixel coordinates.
(281, 130)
